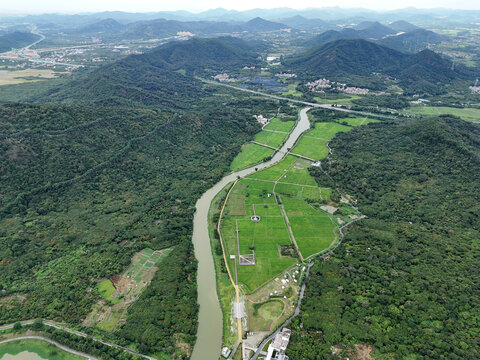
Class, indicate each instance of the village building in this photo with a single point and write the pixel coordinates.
(276, 350)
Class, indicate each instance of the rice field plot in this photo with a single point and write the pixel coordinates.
(250, 154)
(261, 238)
(274, 172)
(326, 130)
(357, 121)
(298, 174)
(312, 148)
(299, 191)
(313, 229)
(314, 143)
(279, 125)
(270, 138)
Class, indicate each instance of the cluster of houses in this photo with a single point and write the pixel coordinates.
(223, 78)
(475, 89)
(321, 84)
(286, 75)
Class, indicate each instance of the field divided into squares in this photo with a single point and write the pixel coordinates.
(261, 238)
(280, 215)
(273, 135)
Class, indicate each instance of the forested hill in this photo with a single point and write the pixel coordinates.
(405, 280)
(157, 77)
(425, 71)
(16, 40)
(113, 163)
(201, 54)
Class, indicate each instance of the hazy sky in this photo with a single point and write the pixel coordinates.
(69, 6)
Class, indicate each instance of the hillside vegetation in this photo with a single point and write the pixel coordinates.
(113, 169)
(405, 280)
(16, 40)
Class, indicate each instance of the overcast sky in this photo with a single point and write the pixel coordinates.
(72, 6)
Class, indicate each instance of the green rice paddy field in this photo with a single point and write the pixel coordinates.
(282, 195)
(250, 154)
(273, 135)
(312, 228)
(313, 143)
(279, 125)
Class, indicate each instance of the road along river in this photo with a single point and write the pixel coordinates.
(209, 334)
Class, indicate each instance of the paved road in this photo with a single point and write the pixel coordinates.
(60, 346)
(81, 334)
(316, 105)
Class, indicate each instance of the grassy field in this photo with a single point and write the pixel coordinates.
(270, 138)
(357, 121)
(106, 289)
(21, 76)
(264, 315)
(469, 114)
(42, 349)
(250, 154)
(292, 90)
(264, 236)
(279, 125)
(313, 143)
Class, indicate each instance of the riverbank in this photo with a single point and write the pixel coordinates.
(209, 333)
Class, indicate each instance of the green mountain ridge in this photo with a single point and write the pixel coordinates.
(16, 40)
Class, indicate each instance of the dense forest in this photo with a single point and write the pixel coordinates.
(405, 280)
(101, 168)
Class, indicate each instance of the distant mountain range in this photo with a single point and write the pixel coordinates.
(16, 40)
(159, 28)
(400, 35)
(325, 13)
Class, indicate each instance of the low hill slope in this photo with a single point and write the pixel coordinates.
(403, 275)
(346, 56)
(413, 41)
(402, 26)
(259, 24)
(16, 40)
(105, 25)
